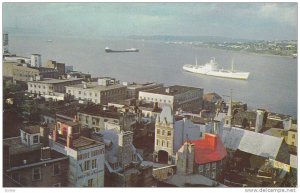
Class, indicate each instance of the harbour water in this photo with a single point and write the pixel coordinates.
(272, 84)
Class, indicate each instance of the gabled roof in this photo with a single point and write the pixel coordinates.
(251, 142)
(209, 149)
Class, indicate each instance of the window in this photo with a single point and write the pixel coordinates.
(79, 92)
(44, 87)
(95, 94)
(163, 132)
(207, 166)
(158, 131)
(24, 136)
(86, 165)
(167, 143)
(90, 94)
(157, 142)
(213, 175)
(169, 133)
(56, 169)
(162, 142)
(293, 136)
(214, 165)
(90, 183)
(94, 163)
(36, 174)
(35, 139)
(200, 169)
(30, 85)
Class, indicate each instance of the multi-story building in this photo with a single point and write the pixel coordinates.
(205, 156)
(24, 72)
(36, 60)
(48, 86)
(28, 162)
(95, 116)
(123, 162)
(183, 97)
(101, 92)
(86, 156)
(134, 88)
(171, 132)
(59, 66)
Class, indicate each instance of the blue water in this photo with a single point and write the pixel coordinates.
(272, 84)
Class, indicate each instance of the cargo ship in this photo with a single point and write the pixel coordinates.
(108, 50)
(212, 69)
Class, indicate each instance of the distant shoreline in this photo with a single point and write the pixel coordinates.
(244, 52)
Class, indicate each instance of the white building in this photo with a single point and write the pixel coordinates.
(101, 92)
(36, 60)
(86, 156)
(183, 97)
(48, 86)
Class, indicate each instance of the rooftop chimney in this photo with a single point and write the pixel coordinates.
(55, 134)
(44, 133)
(212, 140)
(45, 153)
(190, 158)
(259, 120)
(69, 141)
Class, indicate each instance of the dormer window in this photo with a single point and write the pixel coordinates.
(35, 139)
(24, 136)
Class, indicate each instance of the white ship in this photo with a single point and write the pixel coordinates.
(212, 69)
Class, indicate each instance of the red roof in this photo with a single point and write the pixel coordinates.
(209, 149)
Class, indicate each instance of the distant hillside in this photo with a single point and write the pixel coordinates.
(207, 39)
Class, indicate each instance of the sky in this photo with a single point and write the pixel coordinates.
(263, 21)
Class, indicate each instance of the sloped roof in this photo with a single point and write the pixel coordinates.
(209, 149)
(252, 142)
(166, 115)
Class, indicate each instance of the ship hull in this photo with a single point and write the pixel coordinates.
(217, 73)
(119, 51)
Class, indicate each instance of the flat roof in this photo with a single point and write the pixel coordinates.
(84, 143)
(33, 157)
(277, 116)
(95, 86)
(174, 90)
(55, 81)
(16, 147)
(97, 110)
(140, 85)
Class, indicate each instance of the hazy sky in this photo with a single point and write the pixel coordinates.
(236, 20)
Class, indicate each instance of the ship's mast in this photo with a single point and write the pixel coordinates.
(232, 65)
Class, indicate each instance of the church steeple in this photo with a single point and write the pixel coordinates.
(228, 118)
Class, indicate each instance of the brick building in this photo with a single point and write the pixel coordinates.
(28, 162)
